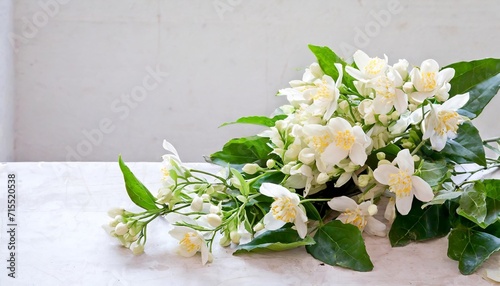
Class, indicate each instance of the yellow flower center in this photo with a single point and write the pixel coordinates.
(321, 142)
(400, 184)
(356, 218)
(283, 209)
(374, 66)
(344, 139)
(190, 242)
(165, 172)
(323, 92)
(386, 89)
(429, 79)
(448, 120)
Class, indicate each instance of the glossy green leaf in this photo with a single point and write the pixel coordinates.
(326, 60)
(476, 206)
(471, 247)
(467, 147)
(240, 151)
(420, 224)
(469, 74)
(490, 187)
(244, 187)
(276, 240)
(270, 177)
(137, 192)
(481, 94)
(433, 172)
(257, 120)
(311, 211)
(341, 244)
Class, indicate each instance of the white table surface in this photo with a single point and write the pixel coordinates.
(61, 207)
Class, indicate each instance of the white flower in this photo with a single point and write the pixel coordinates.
(402, 181)
(336, 141)
(190, 242)
(286, 208)
(368, 68)
(360, 216)
(251, 168)
(429, 80)
(388, 93)
(442, 121)
(324, 95)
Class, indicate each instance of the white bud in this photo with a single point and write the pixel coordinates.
(210, 190)
(363, 180)
(197, 204)
(251, 168)
(225, 241)
(412, 107)
(258, 227)
(214, 220)
(383, 162)
(322, 178)
(372, 210)
(415, 158)
(344, 105)
(235, 237)
(205, 197)
(270, 163)
(235, 182)
(408, 87)
(121, 228)
(380, 155)
(383, 119)
(115, 212)
(395, 115)
(137, 248)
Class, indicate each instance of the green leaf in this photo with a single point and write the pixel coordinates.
(341, 244)
(476, 206)
(481, 94)
(490, 187)
(244, 187)
(270, 177)
(240, 151)
(137, 192)
(433, 172)
(326, 60)
(257, 120)
(390, 151)
(469, 74)
(420, 224)
(467, 147)
(276, 240)
(471, 248)
(311, 211)
(480, 78)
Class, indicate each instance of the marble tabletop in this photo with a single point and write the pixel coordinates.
(60, 208)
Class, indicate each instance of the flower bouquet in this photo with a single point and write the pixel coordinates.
(355, 139)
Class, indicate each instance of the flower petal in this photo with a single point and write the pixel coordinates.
(301, 222)
(405, 161)
(375, 227)
(273, 190)
(358, 154)
(271, 223)
(421, 189)
(382, 173)
(342, 204)
(456, 102)
(403, 204)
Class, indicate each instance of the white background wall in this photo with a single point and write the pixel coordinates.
(6, 84)
(77, 62)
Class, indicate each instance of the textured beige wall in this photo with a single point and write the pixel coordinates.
(97, 78)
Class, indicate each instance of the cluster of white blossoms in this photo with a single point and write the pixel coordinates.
(331, 128)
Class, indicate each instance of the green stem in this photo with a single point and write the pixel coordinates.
(418, 147)
(224, 181)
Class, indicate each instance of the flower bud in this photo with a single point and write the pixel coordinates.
(235, 237)
(214, 209)
(251, 168)
(380, 155)
(372, 210)
(363, 180)
(383, 119)
(137, 248)
(408, 87)
(258, 227)
(235, 182)
(205, 197)
(225, 241)
(415, 158)
(121, 228)
(115, 211)
(197, 204)
(408, 145)
(383, 162)
(214, 220)
(395, 115)
(270, 163)
(322, 178)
